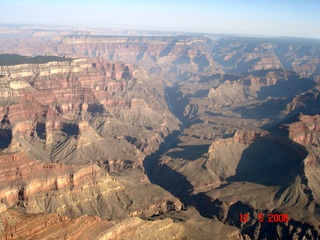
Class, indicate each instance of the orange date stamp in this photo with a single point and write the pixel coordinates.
(270, 217)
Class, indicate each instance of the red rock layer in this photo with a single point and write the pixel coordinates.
(22, 177)
(306, 131)
(51, 226)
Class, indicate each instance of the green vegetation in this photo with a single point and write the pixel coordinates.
(14, 59)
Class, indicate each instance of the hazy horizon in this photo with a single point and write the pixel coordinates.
(262, 18)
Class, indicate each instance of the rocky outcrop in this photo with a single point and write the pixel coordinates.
(47, 226)
(76, 190)
(305, 131)
(57, 226)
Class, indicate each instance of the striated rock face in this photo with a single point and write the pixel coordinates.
(306, 131)
(51, 226)
(71, 110)
(97, 117)
(89, 227)
(182, 225)
(76, 190)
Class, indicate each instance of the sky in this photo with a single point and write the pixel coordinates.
(295, 18)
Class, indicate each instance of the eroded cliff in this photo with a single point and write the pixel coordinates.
(71, 111)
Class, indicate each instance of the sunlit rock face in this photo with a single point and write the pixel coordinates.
(75, 190)
(76, 110)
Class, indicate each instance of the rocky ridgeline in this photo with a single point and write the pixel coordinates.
(182, 54)
(156, 54)
(257, 86)
(245, 54)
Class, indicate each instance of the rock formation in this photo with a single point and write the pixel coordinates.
(158, 137)
(71, 110)
(75, 190)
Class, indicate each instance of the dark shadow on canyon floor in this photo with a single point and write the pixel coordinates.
(175, 183)
(270, 161)
(190, 152)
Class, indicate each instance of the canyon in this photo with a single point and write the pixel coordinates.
(158, 137)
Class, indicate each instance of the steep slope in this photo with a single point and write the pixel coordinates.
(75, 190)
(180, 226)
(305, 131)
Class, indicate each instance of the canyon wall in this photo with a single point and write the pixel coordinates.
(70, 111)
